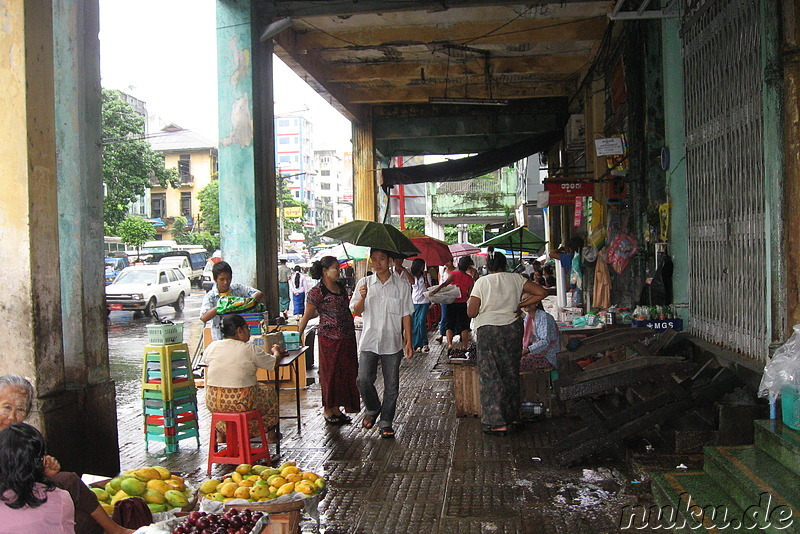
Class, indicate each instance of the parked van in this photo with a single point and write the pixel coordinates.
(189, 262)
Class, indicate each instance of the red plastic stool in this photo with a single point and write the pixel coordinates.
(238, 449)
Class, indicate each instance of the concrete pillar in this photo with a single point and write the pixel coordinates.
(246, 149)
(792, 162)
(364, 184)
(80, 228)
(30, 318)
(675, 141)
(774, 168)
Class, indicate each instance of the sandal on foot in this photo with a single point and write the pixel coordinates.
(368, 422)
(387, 432)
(344, 420)
(333, 420)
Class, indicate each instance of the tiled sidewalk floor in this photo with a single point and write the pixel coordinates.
(441, 474)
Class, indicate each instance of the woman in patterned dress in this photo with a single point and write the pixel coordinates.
(338, 359)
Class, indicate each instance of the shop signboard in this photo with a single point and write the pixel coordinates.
(564, 193)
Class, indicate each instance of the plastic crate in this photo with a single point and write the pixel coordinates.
(790, 406)
(165, 334)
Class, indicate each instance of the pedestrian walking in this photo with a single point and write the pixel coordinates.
(336, 336)
(384, 301)
(495, 305)
(283, 286)
(299, 287)
(457, 321)
(422, 304)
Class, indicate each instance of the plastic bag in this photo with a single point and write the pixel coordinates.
(236, 305)
(783, 368)
(447, 295)
(620, 251)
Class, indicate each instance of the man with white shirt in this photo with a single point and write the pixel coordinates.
(384, 301)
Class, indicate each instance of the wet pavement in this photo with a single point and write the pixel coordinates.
(440, 475)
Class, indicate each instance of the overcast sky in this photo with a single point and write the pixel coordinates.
(164, 52)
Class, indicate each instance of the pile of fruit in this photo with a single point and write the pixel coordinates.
(259, 483)
(231, 522)
(160, 489)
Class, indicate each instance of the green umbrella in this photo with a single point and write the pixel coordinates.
(520, 239)
(374, 235)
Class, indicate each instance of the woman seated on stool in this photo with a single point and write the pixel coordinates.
(31, 502)
(231, 384)
(16, 400)
(540, 343)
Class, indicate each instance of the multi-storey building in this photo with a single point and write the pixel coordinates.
(294, 155)
(195, 159)
(334, 185)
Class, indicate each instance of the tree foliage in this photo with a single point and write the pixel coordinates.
(183, 236)
(290, 224)
(135, 231)
(129, 163)
(209, 207)
(474, 233)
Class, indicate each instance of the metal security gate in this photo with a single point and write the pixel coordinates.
(725, 174)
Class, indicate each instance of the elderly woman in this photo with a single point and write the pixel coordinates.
(32, 503)
(495, 305)
(231, 384)
(16, 399)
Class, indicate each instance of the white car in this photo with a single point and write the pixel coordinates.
(147, 287)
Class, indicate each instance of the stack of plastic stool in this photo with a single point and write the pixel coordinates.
(169, 398)
(238, 449)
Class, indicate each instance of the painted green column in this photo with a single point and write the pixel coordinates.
(774, 164)
(675, 140)
(248, 221)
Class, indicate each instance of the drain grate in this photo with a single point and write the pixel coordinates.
(401, 518)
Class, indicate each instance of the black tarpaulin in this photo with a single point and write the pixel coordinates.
(471, 167)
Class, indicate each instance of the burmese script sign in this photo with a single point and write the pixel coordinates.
(564, 193)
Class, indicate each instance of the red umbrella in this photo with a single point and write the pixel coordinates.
(463, 249)
(433, 251)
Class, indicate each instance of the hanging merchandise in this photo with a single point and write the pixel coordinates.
(597, 230)
(620, 251)
(663, 217)
(578, 211)
(601, 296)
(575, 274)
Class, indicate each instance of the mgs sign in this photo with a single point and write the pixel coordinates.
(564, 193)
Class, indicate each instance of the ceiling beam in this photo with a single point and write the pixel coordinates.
(312, 8)
(550, 64)
(520, 31)
(420, 94)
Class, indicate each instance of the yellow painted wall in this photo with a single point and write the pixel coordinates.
(201, 166)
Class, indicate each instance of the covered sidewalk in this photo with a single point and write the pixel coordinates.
(440, 475)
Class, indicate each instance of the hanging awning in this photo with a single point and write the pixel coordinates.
(158, 223)
(471, 167)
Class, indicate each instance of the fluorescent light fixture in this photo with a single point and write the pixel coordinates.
(275, 28)
(467, 101)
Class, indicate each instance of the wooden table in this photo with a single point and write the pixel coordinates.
(292, 362)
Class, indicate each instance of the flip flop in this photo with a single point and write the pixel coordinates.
(344, 420)
(368, 422)
(387, 432)
(333, 420)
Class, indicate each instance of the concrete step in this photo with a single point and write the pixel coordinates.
(752, 477)
(691, 501)
(780, 442)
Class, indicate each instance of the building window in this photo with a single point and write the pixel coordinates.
(283, 122)
(184, 168)
(158, 205)
(285, 159)
(324, 172)
(325, 186)
(325, 160)
(296, 193)
(284, 140)
(186, 204)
